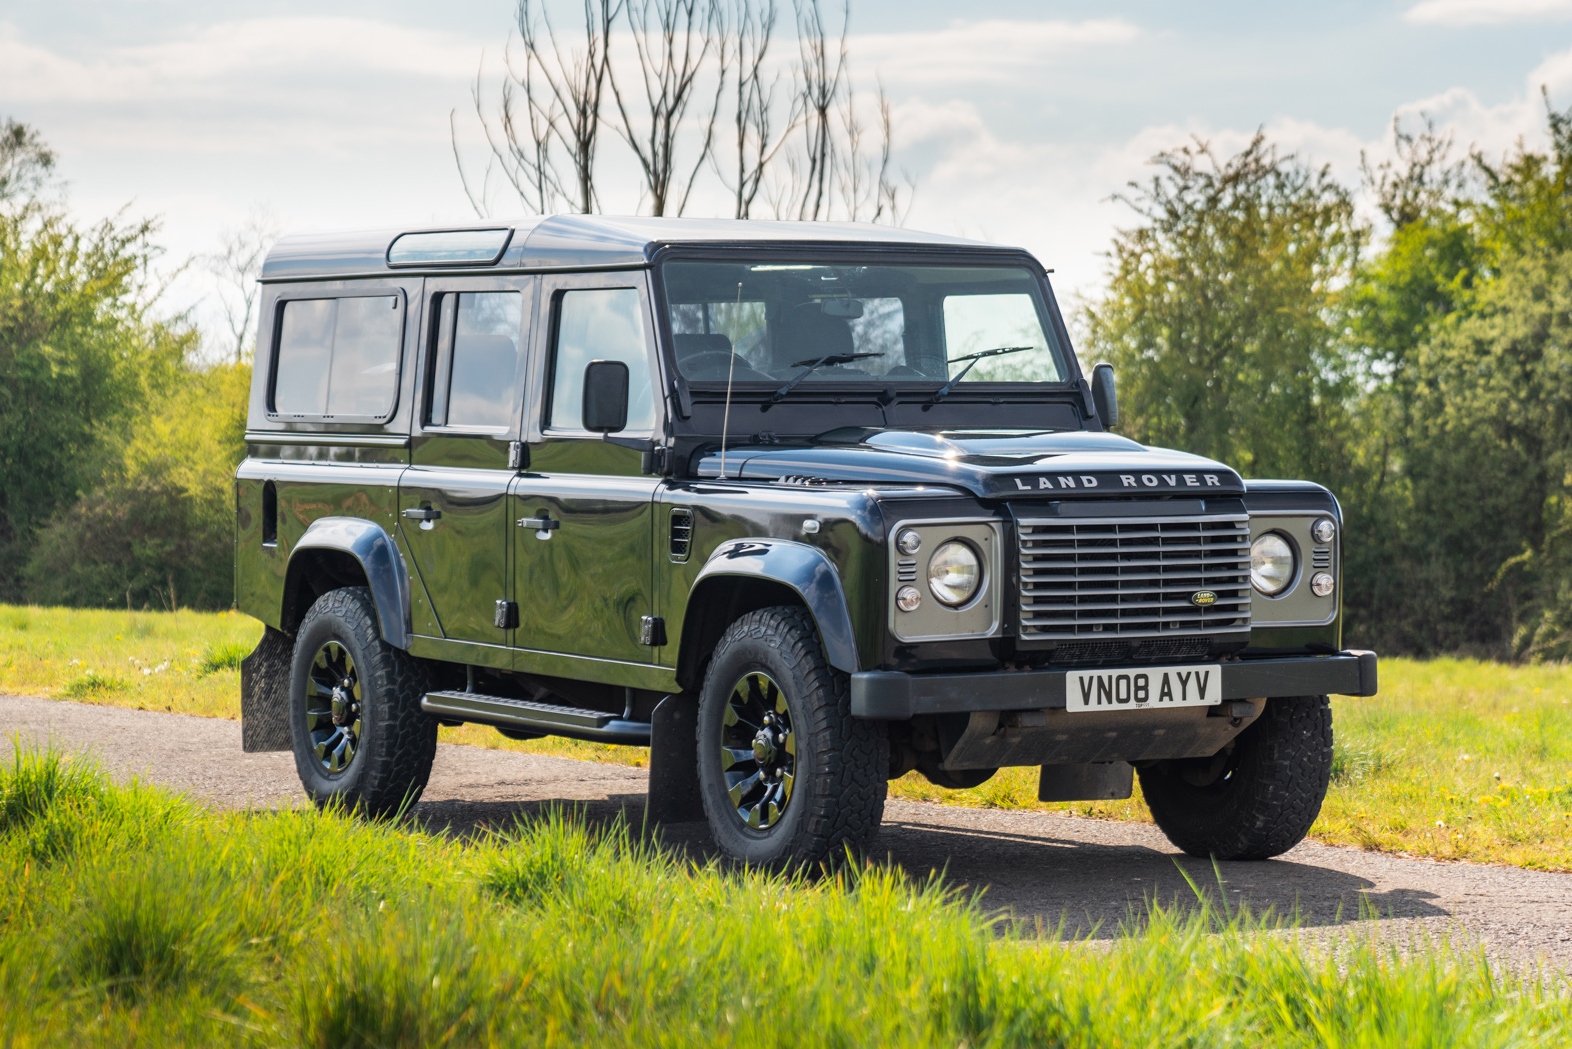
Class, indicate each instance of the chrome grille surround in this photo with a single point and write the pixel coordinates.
(1130, 577)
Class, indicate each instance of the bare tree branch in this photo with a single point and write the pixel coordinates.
(822, 79)
(672, 39)
(236, 265)
(746, 44)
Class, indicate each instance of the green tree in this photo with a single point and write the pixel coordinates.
(1225, 312)
(81, 352)
(159, 530)
(79, 357)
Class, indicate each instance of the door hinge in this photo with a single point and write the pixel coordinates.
(518, 455)
(507, 617)
(652, 631)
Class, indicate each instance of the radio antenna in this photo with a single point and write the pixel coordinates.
(730, 371)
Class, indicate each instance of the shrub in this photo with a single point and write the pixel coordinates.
(415, 979)
(41, 781)
(558, 860)
(226, 655)
(166, 920)
(92, 684)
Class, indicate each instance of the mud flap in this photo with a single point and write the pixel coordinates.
(674, 762)
(264, 694)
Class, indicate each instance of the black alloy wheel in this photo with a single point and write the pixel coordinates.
(758, 750)
(787, 776)
(333, 707)
(360, 738)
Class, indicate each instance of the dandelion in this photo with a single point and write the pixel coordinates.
(1441, 824)
(1465, 757)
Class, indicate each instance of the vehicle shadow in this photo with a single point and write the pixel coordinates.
(1027, 881)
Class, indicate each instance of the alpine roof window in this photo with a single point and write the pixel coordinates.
(459, 247)
(338, 357)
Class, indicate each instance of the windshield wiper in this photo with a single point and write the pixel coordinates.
(972, 359)
(812, 365)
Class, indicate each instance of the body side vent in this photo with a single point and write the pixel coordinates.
(681, 534)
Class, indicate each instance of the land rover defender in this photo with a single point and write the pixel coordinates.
(801, 507)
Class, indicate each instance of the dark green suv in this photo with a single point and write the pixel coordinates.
(801, 507)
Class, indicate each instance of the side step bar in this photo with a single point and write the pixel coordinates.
(596, 726)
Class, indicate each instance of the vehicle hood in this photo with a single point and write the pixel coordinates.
(989, 464)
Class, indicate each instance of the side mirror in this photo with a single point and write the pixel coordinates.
(605, 396)
(1104, 396)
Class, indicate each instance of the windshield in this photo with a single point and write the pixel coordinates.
(782, 322)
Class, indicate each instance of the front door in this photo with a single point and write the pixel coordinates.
(453, 500)
(583, 511)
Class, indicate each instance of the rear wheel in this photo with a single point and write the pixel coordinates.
(1259, 796)
(787, 775)
(359, 735)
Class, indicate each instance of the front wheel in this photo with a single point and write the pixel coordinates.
(360, 738)
(787, 775)
(1259, 796)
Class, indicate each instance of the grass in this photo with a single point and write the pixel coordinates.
(1456, 759)
(165, 923)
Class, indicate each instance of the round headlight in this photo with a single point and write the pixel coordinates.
(908, 542)
(1271, 564)
(954, 573)
(1323, 531)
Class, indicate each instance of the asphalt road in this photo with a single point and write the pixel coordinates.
(1034, 865)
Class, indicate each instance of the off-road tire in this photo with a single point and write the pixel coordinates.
(397, 740)
(1267, 793)
(838, 798)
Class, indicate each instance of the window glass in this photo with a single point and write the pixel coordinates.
(305, 349)
(483, 387)
(985, 322)
(364, 376)
(600, 324)
(760, 321)
(339, 357)
(462, 246)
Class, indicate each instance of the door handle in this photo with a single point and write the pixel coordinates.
(422, 514)
(543, 523)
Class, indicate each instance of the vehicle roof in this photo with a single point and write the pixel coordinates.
(580, 242)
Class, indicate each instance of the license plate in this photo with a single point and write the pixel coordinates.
(1150, 688)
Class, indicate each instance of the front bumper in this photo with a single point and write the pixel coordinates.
(890, 695)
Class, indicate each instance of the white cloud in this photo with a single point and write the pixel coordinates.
(1486, 12)
(982, 51)
(228, 57)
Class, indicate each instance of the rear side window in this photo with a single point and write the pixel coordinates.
(338, 358)
(475, 370)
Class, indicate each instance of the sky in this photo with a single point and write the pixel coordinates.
(1016, 121)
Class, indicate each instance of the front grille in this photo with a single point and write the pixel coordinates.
(1134, 577)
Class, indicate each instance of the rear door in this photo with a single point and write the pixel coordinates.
(453, 499)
